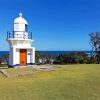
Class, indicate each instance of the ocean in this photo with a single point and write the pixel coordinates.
(2, 53)
(56, 53)
(53, 53)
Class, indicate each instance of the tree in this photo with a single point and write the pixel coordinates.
(72, 58)
(43, 58)
(95, 44)
(37, 56)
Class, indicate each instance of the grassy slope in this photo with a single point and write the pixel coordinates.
(72, 82)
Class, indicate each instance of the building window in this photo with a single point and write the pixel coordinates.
(26, 28)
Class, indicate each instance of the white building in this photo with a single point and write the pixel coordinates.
(20, 41)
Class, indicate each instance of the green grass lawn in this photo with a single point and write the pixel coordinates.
(71, 82)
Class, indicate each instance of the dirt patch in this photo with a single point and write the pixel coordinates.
(13, 73)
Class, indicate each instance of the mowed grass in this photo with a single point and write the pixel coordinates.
(70, 82)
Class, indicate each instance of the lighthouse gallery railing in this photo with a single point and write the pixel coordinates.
(22, 36)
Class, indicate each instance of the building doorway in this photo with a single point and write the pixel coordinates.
(23, 57)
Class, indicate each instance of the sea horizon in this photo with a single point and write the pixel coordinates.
(53, 53)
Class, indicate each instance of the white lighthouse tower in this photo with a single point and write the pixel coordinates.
(20, 41)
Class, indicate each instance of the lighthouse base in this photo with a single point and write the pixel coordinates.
(21, 56)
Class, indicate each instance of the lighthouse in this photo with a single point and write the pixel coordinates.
(21, 52)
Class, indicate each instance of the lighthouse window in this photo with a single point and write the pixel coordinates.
(26, 28)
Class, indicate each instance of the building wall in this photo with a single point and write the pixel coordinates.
(17, 53)
(14, 58)
(28, 56)
(11, 56)
(33, 56)
(20, 43)
(19, 31)
(19, 27)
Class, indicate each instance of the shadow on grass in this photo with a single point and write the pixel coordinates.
(3, 66)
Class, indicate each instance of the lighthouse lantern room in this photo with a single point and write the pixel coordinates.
(20, 41)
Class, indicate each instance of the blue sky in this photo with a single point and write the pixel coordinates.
(55, 24)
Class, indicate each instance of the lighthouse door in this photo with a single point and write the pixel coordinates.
(23, 57)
